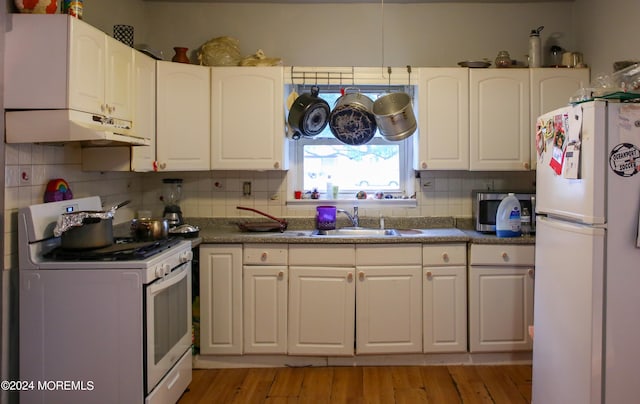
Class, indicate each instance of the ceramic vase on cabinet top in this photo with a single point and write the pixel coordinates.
(37, 6)
(181, 55)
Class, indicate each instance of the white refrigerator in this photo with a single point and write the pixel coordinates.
(587, 278)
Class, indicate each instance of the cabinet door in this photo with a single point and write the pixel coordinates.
(144, 122)
(443, 110)
(445, 309)
(500, 308)
(551, 89)
(389, 309)
(321, 311)
(183, 110)
(87, 68)
(247, 118)
(221, 299)
(119, 79)
(499, 119)
(265, 309)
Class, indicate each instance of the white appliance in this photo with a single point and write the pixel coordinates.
(586, 300)
(67, 125)
(107, 325)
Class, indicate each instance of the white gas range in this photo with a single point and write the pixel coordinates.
(110, 325)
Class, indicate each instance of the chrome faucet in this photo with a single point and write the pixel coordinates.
(355, 220)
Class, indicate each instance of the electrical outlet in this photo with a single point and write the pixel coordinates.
(25, 175)
(246, 188)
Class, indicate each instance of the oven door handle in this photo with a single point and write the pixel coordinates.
(163, 283)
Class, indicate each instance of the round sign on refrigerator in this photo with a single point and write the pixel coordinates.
(624, 159)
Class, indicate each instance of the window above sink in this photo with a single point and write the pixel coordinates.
(379, 166)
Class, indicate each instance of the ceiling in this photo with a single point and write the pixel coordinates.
(362, 1)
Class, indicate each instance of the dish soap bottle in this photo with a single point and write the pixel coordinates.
(535, 54)
(508, 217)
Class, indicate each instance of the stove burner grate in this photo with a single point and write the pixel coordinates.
(124, 249)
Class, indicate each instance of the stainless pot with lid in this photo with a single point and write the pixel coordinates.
(86, 229)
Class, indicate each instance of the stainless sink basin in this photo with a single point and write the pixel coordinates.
(355, 232)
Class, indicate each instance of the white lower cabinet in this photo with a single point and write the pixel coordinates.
(347, 299)
(321, 299)
(265, 278)
(500, 297)
(444, 292)
(388, 298)
(221, 299)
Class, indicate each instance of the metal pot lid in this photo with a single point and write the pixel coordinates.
(352, 125)
(315, 119)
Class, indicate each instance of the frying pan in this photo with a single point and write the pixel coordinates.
(278, 224)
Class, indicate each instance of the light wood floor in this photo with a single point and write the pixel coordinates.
(385, 384)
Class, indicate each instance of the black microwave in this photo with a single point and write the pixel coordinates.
(485, 206)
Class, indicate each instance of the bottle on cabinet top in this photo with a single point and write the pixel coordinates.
(535, 53)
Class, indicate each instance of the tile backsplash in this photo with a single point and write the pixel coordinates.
(29, 167)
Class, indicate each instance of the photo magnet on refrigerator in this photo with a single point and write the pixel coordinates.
(560, 126)
(624, 159)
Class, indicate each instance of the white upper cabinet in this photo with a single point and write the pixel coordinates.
(247, 118)
(551, 89)
(143, 157)
(183, 111)
(69, 65)
(499, 120)
(443, 111)
(119, 79)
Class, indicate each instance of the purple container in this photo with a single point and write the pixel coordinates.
(326, 217)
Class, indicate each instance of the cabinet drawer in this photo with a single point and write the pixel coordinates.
(444, 254)
(502, 254)
(263, 254)
(325, 255)
(388, 254)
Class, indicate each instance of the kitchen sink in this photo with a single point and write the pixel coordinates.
(355, 232)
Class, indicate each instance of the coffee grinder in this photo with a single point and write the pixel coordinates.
(171, 193)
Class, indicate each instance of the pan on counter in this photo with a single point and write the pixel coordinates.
(276, 225)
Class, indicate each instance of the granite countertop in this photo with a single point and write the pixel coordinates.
(412, 230)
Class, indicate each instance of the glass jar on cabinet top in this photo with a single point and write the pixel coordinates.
(503, 59)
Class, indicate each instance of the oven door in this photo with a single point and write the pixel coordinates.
(168, 323)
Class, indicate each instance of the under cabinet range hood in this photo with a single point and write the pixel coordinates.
(66, 125)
